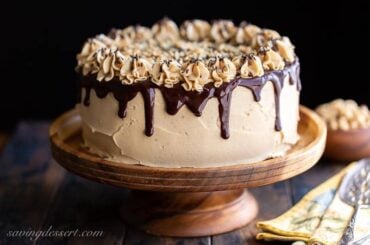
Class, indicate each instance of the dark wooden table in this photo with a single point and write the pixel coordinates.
(37, 194)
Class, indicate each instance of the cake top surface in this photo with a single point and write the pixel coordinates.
(194, 54)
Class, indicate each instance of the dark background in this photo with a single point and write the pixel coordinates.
(40, 41)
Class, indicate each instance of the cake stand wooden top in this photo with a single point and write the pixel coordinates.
(65, 137)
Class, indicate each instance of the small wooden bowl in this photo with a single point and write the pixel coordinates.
(349, 145)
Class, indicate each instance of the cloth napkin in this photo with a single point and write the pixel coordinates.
(320, 217)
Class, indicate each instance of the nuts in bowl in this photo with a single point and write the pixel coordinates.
(348, 129)
(344, 115)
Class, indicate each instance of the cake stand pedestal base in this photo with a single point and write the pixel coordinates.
(189, 214)
(187, 202)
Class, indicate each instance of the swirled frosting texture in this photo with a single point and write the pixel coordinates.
(195, 54)
(223, 70)
(249, 66)
(166, 73)
(196, 75)
(271, 60)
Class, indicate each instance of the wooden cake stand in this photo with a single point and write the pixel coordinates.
(187, 202)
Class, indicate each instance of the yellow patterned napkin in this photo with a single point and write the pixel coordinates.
(319, 218)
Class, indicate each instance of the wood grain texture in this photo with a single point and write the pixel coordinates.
(135, 237)
(191, 214)
(86, 206)
(29, 180)
(65, 136)
(348, 145)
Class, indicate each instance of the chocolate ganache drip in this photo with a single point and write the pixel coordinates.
(177, 96)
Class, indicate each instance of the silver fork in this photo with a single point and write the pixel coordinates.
(355, 191)
(362, 241)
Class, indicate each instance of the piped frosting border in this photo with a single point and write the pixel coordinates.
(193, 55)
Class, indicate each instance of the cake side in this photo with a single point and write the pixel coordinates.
(184, 140)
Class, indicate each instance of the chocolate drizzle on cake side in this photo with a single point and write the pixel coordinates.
(177, 96)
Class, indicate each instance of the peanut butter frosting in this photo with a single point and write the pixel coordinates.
(249, 66)
(166, 73)
(195, 54)
(196, 75)
(195, 30)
